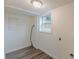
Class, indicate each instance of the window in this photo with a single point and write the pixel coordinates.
(45, 23)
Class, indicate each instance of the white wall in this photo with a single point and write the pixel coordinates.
(62, 26)
(17, 31)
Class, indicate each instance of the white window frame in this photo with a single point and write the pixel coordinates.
(40, 29)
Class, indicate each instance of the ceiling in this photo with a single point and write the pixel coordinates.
(25, 7)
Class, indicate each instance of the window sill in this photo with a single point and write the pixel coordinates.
(46, 32)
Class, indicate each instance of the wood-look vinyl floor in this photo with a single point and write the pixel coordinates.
(27, 53)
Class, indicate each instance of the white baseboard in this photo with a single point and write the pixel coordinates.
(53, 56)
(15, 49)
